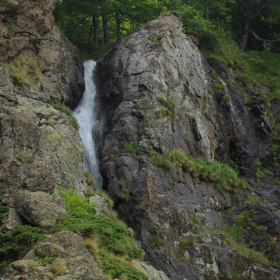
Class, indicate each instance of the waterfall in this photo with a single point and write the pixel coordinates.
(90, 126)
(237, 116)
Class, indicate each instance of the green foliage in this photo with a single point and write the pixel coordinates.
(112, 234)
(114, 157)
(251, 199)
(244, 226)
(18, 242)
(4, 211)
(223, 177)
(64, 109)
(169, 110)
(156, 241)
(90, 180)
(124, 193)
(262, 173)
(132, 148)
(74, 203)
(117, 268)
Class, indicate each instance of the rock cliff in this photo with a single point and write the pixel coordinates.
(37, 55)
(178, 126)
(177, 115)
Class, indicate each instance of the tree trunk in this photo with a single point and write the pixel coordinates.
(245, 36)
(105, 28)
(89, 36)
(96, 32)
(118, 26)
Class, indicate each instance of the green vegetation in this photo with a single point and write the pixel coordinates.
(169, 110)
(124, 193)
(244, 226)
(64, 109)
(18, 242)
(90, 180)
(184, 243)
(132, 148)
(108, 239)
(4, 211)
(114, 157)
(262, 173)
(121, 269)
(223, 177)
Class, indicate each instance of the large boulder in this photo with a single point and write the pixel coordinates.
(167, 98)
(62, 256)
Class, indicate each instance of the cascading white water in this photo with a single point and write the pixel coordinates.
(85, 114)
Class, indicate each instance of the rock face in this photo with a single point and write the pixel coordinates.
(168, 98)
(40, 149)
(32, 47)
(62, 256)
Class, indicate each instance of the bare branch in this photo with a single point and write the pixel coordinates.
(260, 39)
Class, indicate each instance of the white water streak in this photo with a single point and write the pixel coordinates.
(87, 119)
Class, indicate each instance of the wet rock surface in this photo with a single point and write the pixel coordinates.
(167, 100)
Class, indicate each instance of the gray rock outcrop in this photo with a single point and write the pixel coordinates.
(166, 99)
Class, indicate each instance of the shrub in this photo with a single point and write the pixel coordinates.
(18, 242)
(118, 268)
(4, 211)
(112, 233)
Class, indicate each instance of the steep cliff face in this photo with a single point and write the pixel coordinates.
(172, 108)
(32, 47)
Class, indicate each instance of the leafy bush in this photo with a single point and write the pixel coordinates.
(113, 234)
(117, 268)
(4, 211)
(18, 242)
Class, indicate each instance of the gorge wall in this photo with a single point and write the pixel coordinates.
(174, 104)
(174, 114)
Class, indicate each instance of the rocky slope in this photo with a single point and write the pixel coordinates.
(171, 103)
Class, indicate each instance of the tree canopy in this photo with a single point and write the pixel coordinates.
(91, 24)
